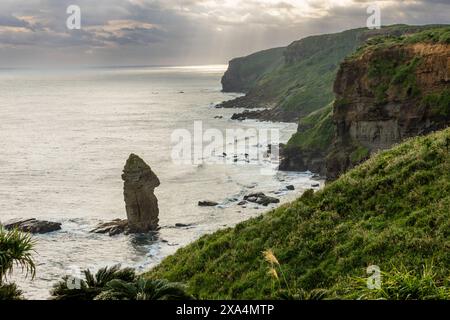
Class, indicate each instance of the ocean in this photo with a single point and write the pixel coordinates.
(65, 137)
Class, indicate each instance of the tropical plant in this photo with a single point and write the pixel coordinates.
(10, 292)
(93, 284)
(144, 289)
(114, 283)
(16, 249)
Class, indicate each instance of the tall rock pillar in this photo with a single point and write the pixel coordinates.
(140, 201)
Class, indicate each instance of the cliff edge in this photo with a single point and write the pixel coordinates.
(387, 92)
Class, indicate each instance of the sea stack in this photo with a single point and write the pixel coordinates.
(140, 201)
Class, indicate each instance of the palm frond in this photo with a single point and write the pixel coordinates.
(93, 284)
(16, 249)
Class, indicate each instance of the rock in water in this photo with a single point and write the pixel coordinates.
(141, 203)
(32, 225)
(207, 203)
(112, 228)
(261, 198)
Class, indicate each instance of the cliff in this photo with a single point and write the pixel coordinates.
(292, 82)
(243, 73)
(387, 92)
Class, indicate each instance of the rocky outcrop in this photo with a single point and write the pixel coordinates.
(296, 159)
(112, 228)
(207, 203)
(141, 203)
(32, 225)
(386, 94)
(261, 198)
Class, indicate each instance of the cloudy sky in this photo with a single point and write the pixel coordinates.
(181, 32)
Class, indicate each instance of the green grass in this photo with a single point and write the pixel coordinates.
(438, 103)
(392, 211)
(317, 133)
(359, 154)
(437, 34)
(396, 75)
(402, 284)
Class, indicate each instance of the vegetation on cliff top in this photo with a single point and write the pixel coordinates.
(431, 35)
(392, 211)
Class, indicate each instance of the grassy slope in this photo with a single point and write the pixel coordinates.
(316, 131)
(392, 211)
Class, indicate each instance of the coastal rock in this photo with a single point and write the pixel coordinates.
(207, 203)
(112, 228)
(183, 225)
(247, 114)
(290, 188)
(140, 201)
(261, 198)
(32, 225)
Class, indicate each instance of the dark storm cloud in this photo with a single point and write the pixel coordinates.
(11, 21)
(184, 31)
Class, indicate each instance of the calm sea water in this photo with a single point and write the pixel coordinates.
(65, 137)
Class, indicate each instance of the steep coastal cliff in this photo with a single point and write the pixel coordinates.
(243, 73)
(304, 84)
(301, 83)
(387, 92)
(292, 82)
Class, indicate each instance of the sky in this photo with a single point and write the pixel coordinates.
(33, 33)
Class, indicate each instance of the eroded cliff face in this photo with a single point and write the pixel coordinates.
(387, 94)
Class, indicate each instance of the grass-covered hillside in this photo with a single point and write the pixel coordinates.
(392, 211)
